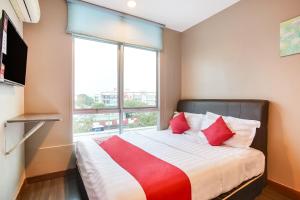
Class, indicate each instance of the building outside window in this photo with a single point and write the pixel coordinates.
(115, 88)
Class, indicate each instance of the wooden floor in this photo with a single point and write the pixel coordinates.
(63, 188)
(67, 188)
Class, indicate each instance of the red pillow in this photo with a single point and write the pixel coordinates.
(218, 132)
(179, 124)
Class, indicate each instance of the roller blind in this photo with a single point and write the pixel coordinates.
(95, 21)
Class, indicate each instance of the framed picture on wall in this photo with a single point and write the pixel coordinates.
(290, 37)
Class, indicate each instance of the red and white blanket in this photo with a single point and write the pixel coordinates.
(162, 166)
(160, 180)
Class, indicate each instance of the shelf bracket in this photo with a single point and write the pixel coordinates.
(26, 136)
(39, 119)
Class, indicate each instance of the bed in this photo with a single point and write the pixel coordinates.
(213, 172)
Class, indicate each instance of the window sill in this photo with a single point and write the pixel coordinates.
(77, 137)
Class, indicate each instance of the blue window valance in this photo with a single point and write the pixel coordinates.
(95, 21)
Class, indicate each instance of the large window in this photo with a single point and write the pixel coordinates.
(96, 75)
(139, 78)
(113, 83)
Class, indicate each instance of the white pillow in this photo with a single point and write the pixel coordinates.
(244, 129)
(194, 120)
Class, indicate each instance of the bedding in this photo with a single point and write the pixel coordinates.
(194, 121)
(179, 124)
(218, 132)
(244, 129)
(211, 170)
(159, 179)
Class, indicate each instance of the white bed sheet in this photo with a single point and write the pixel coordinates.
(211, 170)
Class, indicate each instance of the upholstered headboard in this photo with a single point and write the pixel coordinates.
(245, 109)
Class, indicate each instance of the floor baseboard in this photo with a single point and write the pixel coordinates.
(50, 176)
(289, 192)
(21, 189)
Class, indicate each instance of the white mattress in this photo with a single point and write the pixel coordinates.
(211, 170)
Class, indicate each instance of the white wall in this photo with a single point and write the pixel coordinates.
(12, 171)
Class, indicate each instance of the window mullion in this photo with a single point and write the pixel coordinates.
(121, 85)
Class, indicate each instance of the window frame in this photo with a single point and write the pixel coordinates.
(120, 109)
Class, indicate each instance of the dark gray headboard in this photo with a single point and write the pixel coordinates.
(245, 109)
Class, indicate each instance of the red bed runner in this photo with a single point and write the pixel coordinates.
(159, 179)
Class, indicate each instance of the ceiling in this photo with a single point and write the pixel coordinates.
(178, 15)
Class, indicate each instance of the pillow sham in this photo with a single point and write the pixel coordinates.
(244, 129)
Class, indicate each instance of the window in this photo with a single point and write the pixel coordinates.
(139, 78)
(96, 72)
(134, 121)
(115, 88)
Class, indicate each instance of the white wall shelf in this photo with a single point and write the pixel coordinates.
(39, 119)
(35, 118)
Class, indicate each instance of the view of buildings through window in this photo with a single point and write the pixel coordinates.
(113, 83)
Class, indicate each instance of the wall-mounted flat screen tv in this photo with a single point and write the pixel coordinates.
(13, 53)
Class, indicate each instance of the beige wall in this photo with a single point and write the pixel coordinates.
(170, 73)
(231, 55)
(12, 173)
(235, 54)
(49, 83)
(48, 89)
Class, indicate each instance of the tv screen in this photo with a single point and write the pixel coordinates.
(13, 53)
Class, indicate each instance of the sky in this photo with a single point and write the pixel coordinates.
(96, 66)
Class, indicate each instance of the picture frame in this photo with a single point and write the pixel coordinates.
(290, 37)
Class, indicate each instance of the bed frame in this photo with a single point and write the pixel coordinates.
(246, 109)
